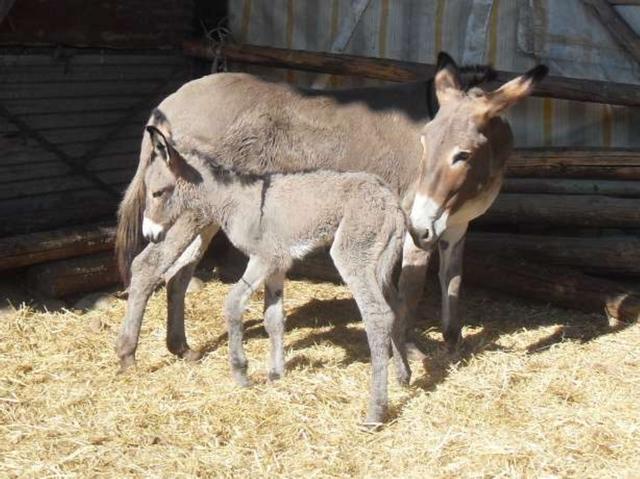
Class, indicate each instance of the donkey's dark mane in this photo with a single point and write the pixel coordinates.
(228, 174)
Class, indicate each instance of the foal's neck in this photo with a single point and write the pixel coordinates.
(231, 194)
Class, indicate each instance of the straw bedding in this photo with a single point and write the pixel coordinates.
(537, 392)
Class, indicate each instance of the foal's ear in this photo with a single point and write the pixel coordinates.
(160, 143)
(447, 81)
(513, 91)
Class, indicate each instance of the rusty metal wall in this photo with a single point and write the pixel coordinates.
(510, 34)
(84, 105)
(104, 23)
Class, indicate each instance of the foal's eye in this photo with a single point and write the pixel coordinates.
(157, 194)
(461, 156)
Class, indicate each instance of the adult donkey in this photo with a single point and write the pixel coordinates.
(254, 126)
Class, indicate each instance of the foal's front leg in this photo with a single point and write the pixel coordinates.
(451, 248)
(178, 277)
(274, 321)
(234, 307)
(147, 272)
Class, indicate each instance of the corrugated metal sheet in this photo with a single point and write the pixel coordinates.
(82, 104)
(510, 34)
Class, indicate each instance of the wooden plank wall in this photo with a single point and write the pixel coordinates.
(89, 104)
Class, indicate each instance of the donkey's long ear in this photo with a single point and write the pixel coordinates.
(513, 91)
(160, 143)
(447, 81)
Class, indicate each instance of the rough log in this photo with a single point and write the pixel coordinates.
(558, 186)
(563, 210)
(604, 255)
(403, 71)
(26, 250)
(575, 163)
(555, 285)
(75, 275)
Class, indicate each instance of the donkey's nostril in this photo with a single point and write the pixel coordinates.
(426, 234)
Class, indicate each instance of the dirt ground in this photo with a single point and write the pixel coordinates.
(536, 392)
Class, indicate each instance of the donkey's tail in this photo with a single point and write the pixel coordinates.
(129, 238)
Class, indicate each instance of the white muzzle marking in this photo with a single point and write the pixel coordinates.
(428, 220)
(152, 230)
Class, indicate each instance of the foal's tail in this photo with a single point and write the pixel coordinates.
(129, 238)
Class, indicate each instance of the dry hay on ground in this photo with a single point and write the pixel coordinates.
(538, 392)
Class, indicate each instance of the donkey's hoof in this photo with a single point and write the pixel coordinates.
(274, 375)
(126, 362)
(453, 342)
(371, 426)
(191, 355)
(404, 380)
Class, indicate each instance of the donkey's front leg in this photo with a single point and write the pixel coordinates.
(451, 247)
(234, 307)
(411, 285)
(147, 272)
(178, 277)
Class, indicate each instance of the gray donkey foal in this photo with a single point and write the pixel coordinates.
(277, 218)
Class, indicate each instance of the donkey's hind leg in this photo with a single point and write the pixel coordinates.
(274, 321)
(398, 339)
(378, 319)
(234, 307)
(177, 284)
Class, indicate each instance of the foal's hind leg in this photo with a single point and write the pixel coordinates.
(378, 320)
(399, 340)
(234, 307)
(274, 320)
(177, 284)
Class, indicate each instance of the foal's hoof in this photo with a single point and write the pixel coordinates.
(241, 379)
(274, 375)
(126, 362)
(191, 355)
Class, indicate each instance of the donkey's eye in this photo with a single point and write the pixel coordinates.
(157, 194)
(461, 156)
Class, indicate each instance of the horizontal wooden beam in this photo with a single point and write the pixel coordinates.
(618, 254)
(575, 163)
(404, 71)
(563, 210)
(561, 186)
(25, 250)
(74, 275)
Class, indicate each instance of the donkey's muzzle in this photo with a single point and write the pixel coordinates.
(423, 238)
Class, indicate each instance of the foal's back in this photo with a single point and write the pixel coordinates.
(304, 211)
